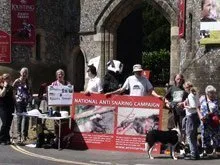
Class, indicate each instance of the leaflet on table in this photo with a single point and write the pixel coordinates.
(60, 95)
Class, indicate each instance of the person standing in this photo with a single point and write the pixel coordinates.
(60, 78)
(137, 84)
(60, 81)
(23, 97)
(176, 96)
(192, 122)
(208, 106)
(94, 84)
(7, 102)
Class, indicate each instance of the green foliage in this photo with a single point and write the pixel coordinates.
(160, 90)
(158, 62)
(156, 29)
(156, 43)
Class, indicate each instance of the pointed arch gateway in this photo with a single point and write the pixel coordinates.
(109, 21)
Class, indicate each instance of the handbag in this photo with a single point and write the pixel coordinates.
(213, 119)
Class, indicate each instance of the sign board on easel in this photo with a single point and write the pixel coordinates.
(60, 95)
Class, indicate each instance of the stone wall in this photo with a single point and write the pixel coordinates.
(59, 21)
(99, 23)
(200, 64)
(5, 19)
(192, 59)
(50, 16)
(58, 24)
(90, 11)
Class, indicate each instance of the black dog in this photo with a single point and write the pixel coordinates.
(171, 137)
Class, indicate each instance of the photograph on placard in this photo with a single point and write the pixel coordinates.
(94, 119)
(136, 121)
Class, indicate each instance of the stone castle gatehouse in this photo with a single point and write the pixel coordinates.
(70, 33)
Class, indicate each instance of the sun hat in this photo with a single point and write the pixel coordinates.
(137, 68)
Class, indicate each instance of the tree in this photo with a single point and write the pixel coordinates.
(158, 62)
(156, 29)
(156, 45)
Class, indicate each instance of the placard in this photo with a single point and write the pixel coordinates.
(210, 22)
(60, 95)
(5, 47)
(117, 123)
(23, 21)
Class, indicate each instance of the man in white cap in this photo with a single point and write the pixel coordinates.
(137, 84)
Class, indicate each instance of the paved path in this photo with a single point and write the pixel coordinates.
(107, 157)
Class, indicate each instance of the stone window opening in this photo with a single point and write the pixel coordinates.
(191, 31)
(38, 47)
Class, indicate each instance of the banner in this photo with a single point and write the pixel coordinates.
(60, 95)
(210, 22)
(116, 123)
(5, 47)
(23, 21)
(182, 17)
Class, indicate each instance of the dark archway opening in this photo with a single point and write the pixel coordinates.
(129, 40)
(144, 37)
(79, 79)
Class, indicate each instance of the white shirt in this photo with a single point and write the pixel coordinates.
(192, 103)
(94, 85)
(138, 86)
